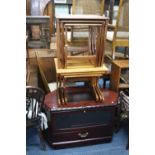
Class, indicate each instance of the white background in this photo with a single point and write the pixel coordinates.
(13, 71)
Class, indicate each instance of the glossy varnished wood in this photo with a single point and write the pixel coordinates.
(81, 121)
(86, 66)
(110, 99)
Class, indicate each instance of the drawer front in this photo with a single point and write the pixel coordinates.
(71, 120)
(82, 134)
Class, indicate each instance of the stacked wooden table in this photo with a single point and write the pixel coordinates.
(87, 66)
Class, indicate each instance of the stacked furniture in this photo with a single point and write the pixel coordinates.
(80, 114)
(89, 65)
(79, 34)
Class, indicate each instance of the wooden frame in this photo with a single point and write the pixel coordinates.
(49, 10)
(95, 54)
(120, 36)
(93, 7)
(42, 75)
(115, 76)
(87, 4)
(42, 8)
(44, 25)
(83, 74)
(48, 86)
(76, 67)
(28, 7)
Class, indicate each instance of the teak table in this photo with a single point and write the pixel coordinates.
(86, 66)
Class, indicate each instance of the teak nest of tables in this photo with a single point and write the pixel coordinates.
(88, 65)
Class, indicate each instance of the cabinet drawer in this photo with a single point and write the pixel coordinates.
(66, 121)
(81, 134)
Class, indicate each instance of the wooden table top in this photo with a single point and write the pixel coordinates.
(122, 63)
(81, 17)
(101, 70)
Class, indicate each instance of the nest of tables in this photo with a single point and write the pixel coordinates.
(88, 65)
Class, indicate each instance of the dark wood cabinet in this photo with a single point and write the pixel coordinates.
(80, 123)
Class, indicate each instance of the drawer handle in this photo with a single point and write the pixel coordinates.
(83, 135)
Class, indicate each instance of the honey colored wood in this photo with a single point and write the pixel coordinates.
(115, 76)
(88, 7)
(93, 7)
(47, 64)
(73, 71)
(84, 66)
(122, 25)
(49, 10)
(84, 18)
(92, 75)
(42, 75)
(122, 63)
(63, 21)
(43, 53)
(28, 7)
(32, 75)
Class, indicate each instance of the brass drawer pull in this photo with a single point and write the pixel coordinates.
(83, 135)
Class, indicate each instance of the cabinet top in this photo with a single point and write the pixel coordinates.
(80, 98)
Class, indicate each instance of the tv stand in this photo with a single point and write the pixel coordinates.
(81, 121)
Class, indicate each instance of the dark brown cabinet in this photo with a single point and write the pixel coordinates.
(77, 124)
